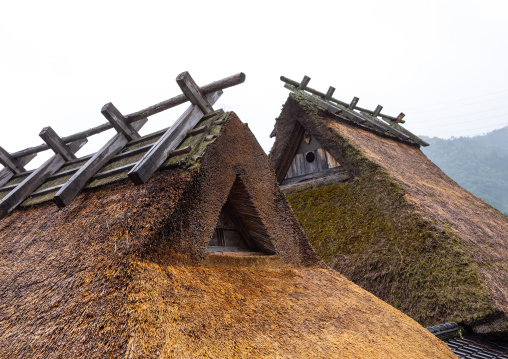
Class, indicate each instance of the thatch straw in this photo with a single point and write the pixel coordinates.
(119, 273)
(401, 228)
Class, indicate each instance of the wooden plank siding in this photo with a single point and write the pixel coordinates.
(301, 166)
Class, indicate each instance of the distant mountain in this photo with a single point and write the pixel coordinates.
(479, 164)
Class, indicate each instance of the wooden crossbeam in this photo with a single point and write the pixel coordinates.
(10, 162)
(119, 122)
(154, 158)
(329, 93)
(339, 102)
(6, 174)
(197, 131)
(304, 83)
(400, 117)
(353, 103)
(191, 90)
(136, 116)
(377, 111)
(36, 178)
(56, 144)
(76, 183)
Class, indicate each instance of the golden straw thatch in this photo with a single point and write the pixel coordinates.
(123, 272)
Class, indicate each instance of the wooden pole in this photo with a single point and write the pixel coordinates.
(323, 95)
(136, 116)
(191, 90)
(156, 156)
(34, 180)
(178, 100)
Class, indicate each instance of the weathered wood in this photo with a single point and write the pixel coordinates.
(6, 174)
(303, 84)
(119, 122)
(339, 174)
(10, 161)
(329, 93)
(353, 103)
(113, 171)
(296, 84)
(400, 117)
(56, 144)
(37, 178)
(76, 183)
(326, 105)
(191, 90)
(231, 213)
(178, 100)
(136, 116)
(274, 131)
(377, 111)
(154, 158)
(287, 156)
(197, 131)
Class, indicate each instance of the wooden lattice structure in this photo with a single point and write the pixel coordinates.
(372, 120)
(63, 176)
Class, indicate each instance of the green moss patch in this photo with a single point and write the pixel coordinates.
(367, 231)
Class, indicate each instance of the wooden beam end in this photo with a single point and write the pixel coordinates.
(136, 178)
(59, 201)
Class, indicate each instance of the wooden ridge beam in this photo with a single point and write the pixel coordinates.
(119, 122)
(191, 90)
(56, 144)
(296, 84)
(304, 83)
(353, 103)
(178, 100)
(6, 174)
(10, 162)
(136, 116)
(36, 178)
(329, 93)
(377, 111)
(154, 158)
(76, 183)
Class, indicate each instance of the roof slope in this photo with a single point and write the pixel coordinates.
(119, 273)
(401, 228)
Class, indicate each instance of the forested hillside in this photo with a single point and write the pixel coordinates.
(479, 164)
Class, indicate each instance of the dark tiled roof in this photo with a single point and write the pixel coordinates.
(468, 347)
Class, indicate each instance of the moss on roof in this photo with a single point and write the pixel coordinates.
(401, 229)
(122, 273)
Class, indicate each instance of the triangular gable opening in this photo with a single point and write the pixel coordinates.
(239, 227)
(310, 158)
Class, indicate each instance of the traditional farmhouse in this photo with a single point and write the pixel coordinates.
(175, 244)
(377, 210)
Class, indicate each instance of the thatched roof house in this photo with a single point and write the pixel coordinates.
(135, 271)
(376, 209)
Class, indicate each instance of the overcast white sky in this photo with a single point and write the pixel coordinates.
(442, 63)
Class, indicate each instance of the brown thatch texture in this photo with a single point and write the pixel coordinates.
(401, 229)
(117, 274)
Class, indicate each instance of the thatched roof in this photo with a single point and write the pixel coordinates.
(397, 225)
(123, 272)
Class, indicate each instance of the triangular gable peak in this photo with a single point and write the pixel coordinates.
(240, 227)
(305, 159)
